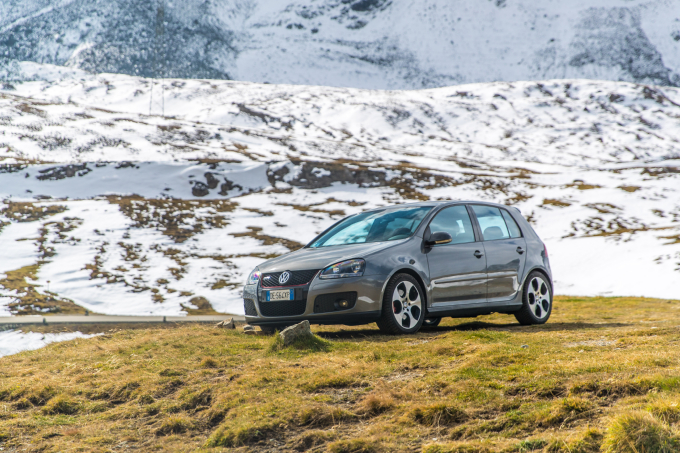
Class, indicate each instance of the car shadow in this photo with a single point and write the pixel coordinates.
(375, 335)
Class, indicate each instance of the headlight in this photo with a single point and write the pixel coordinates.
(349, 268)
(254, 277)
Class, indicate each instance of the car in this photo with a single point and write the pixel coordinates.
(408, 266)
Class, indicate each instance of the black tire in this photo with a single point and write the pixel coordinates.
(431, 323)
(537, 300)
(405, 313)
(271, 329)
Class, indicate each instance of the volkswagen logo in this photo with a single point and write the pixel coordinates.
(283, 278)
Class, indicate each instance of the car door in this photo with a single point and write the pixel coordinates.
(505, 251)
(457, 269)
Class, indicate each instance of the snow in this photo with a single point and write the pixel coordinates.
(593, 164)
(364, 44)
(14, 341)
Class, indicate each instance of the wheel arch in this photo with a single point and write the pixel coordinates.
(542, 271)
(413, 273)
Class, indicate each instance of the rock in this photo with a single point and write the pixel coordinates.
(525, 346)
(292, 333)
(226, 324)
(248, 328)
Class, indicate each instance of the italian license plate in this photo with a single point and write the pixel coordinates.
(284, 294)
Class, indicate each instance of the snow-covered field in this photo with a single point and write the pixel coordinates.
(13, 341)
(113, 210)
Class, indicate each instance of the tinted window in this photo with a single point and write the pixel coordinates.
(491, 223)
(455, 221)
(512, 225)
(374, 226)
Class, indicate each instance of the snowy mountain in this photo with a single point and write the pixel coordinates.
(375, 44)
(111, 209)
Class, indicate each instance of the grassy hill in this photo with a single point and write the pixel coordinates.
(603, 373)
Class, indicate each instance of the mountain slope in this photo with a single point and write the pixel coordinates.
(379, 44)
(109, 209)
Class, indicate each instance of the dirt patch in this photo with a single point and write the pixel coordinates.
(556, 203)
(255, 233)
(30, 212)
(28, 300)
(178, 219)
(203, 307)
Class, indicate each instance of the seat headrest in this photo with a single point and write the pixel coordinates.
(492, 233)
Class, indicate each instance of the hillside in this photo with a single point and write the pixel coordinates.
(599, 374)
(376, 44)
(112, 210)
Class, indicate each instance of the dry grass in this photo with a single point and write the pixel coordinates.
(603, 374)
(178, 219)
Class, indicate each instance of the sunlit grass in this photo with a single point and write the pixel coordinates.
(602, 373)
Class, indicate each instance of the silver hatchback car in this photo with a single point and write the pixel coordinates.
(406, 266)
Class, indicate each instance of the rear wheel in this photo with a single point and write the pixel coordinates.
(403, 306)
(536, 300)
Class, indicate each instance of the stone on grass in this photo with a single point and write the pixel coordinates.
(292, 333)
(226, 324)
(248, 328)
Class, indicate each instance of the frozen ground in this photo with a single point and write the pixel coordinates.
(112, 210)
(378, 44)
(13, 341)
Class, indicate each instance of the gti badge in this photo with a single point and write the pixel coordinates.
(283, 278)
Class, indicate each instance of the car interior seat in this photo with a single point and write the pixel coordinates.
(492, 233)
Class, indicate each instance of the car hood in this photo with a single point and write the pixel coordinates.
(322, 257)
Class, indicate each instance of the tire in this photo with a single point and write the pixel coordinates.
(403, 308)
(536, 300)
(431, 323)
(270, 330)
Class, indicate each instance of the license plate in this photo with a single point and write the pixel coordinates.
(284, 294)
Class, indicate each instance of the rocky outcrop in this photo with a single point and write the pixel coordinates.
(293, 333)
(358, 43)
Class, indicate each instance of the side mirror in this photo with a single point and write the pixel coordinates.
(439, 237)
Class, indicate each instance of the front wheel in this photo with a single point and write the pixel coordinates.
(403, 306)
(271, 329)
(536, 300)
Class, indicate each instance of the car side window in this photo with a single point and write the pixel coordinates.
(454, 220)
(491, 223)
(515, 232)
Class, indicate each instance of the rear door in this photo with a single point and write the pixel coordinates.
(505, 251)
(457, 269)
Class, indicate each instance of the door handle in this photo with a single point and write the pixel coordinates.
(478, 254)
(520, 250)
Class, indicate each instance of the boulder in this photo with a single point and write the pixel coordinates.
(226, 324)
(292, 333)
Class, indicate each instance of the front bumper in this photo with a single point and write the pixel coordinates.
(316, 302)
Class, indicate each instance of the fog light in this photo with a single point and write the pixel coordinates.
(343, 304)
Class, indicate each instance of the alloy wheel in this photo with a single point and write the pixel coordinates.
(407, 304)
(538, 297)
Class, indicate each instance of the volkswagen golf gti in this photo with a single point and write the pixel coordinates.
(405, 267)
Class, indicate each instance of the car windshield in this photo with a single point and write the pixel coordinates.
(374, 226)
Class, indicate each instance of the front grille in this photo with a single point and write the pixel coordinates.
(325, 303)
(249, 305)
(296, 278)
(283, 308)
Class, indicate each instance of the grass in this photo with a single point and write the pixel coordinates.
(602, 375)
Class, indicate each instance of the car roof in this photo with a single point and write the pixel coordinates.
(441, 203)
